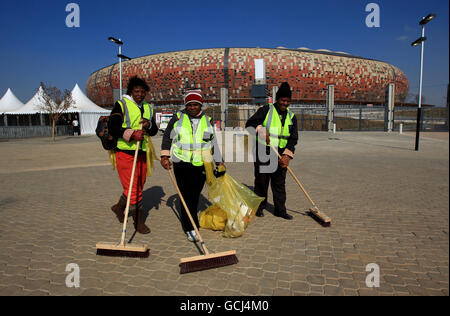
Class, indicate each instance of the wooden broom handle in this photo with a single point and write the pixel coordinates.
(295, 178)
(127, 209)
(174, 181)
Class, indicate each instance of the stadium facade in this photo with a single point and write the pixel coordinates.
(356, 79)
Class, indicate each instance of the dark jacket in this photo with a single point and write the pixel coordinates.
(259, 117)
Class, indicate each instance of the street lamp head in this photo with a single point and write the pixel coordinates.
(418, 41)
(427, 19)
(115, 40)
(123, 57)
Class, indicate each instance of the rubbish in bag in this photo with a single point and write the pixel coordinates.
(229, 195)
(213, 218)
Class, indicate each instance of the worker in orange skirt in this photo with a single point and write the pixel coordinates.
(124, 124)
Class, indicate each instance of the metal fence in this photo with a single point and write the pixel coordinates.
(10, 132)
(360, 118)
(310, 117)
(314, 117)
(432, 119)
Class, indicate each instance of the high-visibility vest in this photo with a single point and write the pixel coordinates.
(189, 144)
(278, 133)
(132, 119)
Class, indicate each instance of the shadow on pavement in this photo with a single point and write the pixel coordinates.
(152, 199)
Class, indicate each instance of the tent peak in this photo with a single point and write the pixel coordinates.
(9, 102)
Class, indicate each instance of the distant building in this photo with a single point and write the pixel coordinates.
(356, 79)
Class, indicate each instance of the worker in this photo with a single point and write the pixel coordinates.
(125, 124)
(188, 133)
(276, 125)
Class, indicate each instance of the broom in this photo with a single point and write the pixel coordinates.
(122, 250)
(208, 260)
(314, 210)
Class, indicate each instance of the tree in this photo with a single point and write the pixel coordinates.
(55, 103)
(414, 98)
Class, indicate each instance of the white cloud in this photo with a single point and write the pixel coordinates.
(407, 28)
(402, 38)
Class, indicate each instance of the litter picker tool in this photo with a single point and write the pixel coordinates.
(208, 260)
(121, 249)
(314, 210)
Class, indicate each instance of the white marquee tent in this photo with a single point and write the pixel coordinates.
(89, 112)
(9, 102)
(31, 107)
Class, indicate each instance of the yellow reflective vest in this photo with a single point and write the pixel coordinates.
(188, 144)
(278, 133)
(132, 118)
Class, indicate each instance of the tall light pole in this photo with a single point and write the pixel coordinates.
(417, 42)
(120, 43)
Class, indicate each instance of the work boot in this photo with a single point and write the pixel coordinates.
(119, 208)
(260, 213)
(285, 215)
(139, 224)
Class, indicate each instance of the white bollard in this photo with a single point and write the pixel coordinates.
(334, 128)
(401, 128)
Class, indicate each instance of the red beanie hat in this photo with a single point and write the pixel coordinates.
(193, 96)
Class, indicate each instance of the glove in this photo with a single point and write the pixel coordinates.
(165, 162)
(220, 171)
(145, 124)
(138, 135)
(284, 161)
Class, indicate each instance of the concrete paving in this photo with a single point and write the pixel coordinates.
(389, 206)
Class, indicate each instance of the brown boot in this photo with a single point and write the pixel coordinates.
(139, 224)
(119, 208)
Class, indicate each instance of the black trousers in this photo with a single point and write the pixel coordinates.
(277, 181)
(190, 180)
(76, 129)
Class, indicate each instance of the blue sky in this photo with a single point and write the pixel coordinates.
(36, 45)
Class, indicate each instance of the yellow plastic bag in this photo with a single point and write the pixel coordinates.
(151, 155)
(112, 159)
(239, 202)
(213, 218)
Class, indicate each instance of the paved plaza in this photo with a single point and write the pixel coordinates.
(389, 206)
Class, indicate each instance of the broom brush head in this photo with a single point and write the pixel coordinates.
(206, 262)
(315, 213)
(129, 251)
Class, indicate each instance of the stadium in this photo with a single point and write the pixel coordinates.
(356, 79)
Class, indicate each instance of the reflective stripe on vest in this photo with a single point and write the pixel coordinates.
(188, 144)
(132, 118)
(278, 133)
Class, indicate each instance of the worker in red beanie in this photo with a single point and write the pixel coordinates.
(187, 135)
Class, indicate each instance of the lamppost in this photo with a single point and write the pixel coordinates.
(417, 42)
(120, 43)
